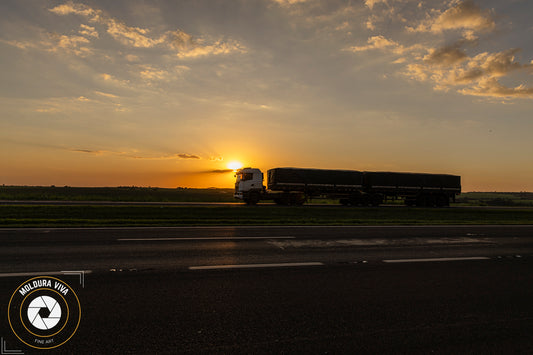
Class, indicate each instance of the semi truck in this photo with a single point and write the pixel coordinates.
(295, 186)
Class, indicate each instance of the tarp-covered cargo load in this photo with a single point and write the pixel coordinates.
(402, 181)
(308, 179)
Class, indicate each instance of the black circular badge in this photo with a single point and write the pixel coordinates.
(44, 312)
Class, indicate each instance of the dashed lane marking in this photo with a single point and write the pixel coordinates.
(251, 266)
(435, 259)
(198, 238)
(44, 273)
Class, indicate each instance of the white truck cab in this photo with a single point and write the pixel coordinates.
(249, 185)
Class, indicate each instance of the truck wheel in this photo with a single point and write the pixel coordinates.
(253, 198)
(377, 200)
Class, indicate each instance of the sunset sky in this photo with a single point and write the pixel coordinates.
(168, 93)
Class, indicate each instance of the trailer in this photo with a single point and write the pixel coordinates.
(294, 186)
(414, 188)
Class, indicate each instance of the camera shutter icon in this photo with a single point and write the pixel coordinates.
(44, 312)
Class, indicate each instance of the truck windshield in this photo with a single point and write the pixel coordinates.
(247, 176)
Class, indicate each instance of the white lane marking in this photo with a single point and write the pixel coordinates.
(199, 238)
(320, 243)
(436, 259)
(42, 273)
(249, 266)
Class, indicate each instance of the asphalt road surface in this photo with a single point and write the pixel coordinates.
(437, 289)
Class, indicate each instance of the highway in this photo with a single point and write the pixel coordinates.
(357, 289)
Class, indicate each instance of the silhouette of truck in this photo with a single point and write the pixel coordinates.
(294, 186)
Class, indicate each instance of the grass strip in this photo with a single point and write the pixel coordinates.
(91, 216)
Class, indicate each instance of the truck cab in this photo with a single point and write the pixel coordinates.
(249, 185)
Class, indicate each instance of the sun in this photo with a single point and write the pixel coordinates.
(234, 165)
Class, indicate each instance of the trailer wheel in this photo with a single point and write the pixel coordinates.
(443, 201)
(423, 201)
(410, 202)
(344, 201)
(428, 201)
(284, 200)
(297, 199)
(376, 200)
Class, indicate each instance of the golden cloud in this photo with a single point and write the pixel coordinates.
(216, 48)
(375, 42)
(449, 67)
(138, 37)
(463, 15)
(88, 31)
(492, 88)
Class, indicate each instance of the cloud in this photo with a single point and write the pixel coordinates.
(78, 9)
(137, 37)
(60, 104)
(55, 43)
(180, 40)
(178, 156)
(133, 36)
(73, 44)
(375, 42)
(221, 171)
(446, 56)
(289, 2)
(78, 44)
(20, 44)
(132, 154)
(88, 31)
(216, 48)
(150, 73)
(188, 156)
(105, 94)
(497, 64)
(449, 67)
(112, 80)
(381, 43)
(463, 15)
(89, 151)
(492, 88)
(371, 3)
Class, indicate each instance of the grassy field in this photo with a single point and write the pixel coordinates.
(92, 216)
(88, 214)
(496, 199)
(155, 194)
(127, 193)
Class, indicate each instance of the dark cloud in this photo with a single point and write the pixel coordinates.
(221, 171)
(129, 155)
(446, 56)
(88, 151)
(187, 156)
